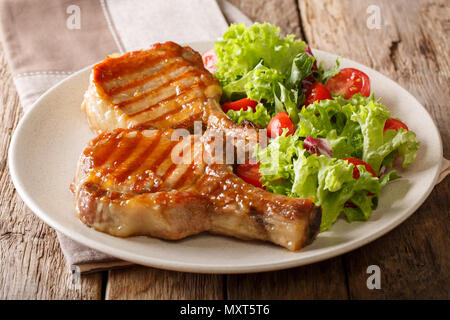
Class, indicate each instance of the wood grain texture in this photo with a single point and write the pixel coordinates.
(324, 280)
(149, 283)
(283, 13)
(31, 263)
(411, 48)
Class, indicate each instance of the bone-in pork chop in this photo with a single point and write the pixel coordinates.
(163, 87)
(141, 182)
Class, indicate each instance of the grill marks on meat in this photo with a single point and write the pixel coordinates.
(140, 161)
(128, 183)
(163, 87)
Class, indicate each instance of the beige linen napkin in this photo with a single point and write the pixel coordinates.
(47, 40)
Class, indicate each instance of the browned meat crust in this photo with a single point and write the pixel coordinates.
(128, 184)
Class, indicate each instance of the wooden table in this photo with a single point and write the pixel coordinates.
(411, 46)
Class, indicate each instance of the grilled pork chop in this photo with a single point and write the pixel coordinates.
(141, 182)
(163, 87)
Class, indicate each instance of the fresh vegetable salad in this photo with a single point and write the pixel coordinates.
(329, 138)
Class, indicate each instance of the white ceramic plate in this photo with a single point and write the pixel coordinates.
(49, 139)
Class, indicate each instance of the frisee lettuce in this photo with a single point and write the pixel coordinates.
(240, 49)
(331, 119)
(378, 144)
(330, 182)
(255, 62)
(354, 128)
(260, 116)
(286, 168)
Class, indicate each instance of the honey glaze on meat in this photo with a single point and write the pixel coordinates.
(163, 87)
(128, 183)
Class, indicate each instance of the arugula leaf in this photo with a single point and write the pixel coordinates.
(301, 68)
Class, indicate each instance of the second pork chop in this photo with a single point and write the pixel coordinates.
(145, 183)
(163, 87)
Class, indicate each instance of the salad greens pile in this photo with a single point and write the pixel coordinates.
(255, 62)
(353, 128)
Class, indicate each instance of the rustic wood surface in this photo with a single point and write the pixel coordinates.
(31, 262)
(411, 47)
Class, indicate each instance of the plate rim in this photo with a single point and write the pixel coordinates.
(195, 267)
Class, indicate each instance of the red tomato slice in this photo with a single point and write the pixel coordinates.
(239, 104)
(278, 123)
(250, 174)
(317, 92)
(356, 162)
(348, 82)
(209, 60)
(394, 124)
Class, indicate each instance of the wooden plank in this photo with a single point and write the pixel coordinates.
(283, 13)
(32, 266)
(324, 280)
(149, 283)
(410, 47)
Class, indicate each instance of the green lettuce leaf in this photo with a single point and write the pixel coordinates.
(258, 84)
(240, 49)
(276, 163)
(355, 128)
(365, 204)
(322, 75)
(377, 144)
(331, 119)
(330, 182)
(287, 100)
(255, 62)
(287, 168)
(301, 68)
(260, 116)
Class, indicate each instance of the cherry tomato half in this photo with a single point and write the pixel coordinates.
(239, 104)
(250, 174)
(317, 92)
(278, 123)
(348, 82)
(356, 162)
(394, 124)
(209, 60)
